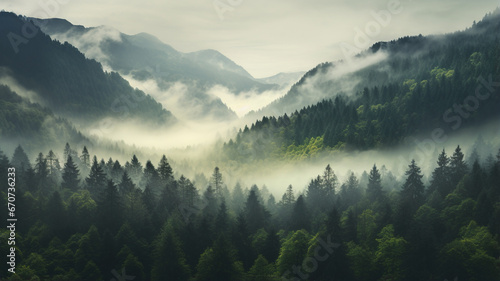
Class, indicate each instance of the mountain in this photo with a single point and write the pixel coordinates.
(283, 79)
(143, 57)
(68, 83)
(383, 64)
(413, 86)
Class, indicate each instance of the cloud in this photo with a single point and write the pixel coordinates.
(12, 83)
(266, 37)
(244, 102)
(90, 42)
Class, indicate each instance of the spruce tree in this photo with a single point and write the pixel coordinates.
(165, 170)
(412, 191)
(440, 180)
(96, 181)
(300, 218)
(217, 182)
(70, 175)
(374, 187)
(458, 167)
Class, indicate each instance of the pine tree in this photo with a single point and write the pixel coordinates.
(96, 181)
(135, 170)
(458, 167)
(300, 216)
(374, 187)
(288, 198)
(169, 259)
(70, 175)
(110, 208)
(85, 158)
(238, 198)
(53, 165)
(116, 171)
(330, 182)
(41, 174)
(255, 214)
(217, 182)
(188, 192)
(222, 219)
(151, 178)
(126, 186)
(164, 170)
(20, 160)
(68, 151)
(316, 195)
(412, 192)
(441, 176)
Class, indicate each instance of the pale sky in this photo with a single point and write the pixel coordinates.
(266, 37)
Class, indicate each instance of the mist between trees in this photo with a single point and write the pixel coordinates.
(85, 219)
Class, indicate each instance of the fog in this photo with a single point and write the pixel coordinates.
(89, 42)
(341, 78)
(244, 102)
(14, 85)
(277, 175)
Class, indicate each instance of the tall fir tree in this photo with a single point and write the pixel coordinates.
(217, 182)
(412, 192)
(458, 167)
(374, 187)
(96, 181)
(441, 177)
(165, 170)
(70, 175)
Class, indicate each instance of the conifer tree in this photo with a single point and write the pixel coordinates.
(217, 182)
(70, 175)
(165, 170)
(96, 181)
(458, 167)
(374, 188)
(440, 180)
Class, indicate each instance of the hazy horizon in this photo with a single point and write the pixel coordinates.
(266, 38)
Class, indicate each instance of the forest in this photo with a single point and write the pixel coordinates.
(425, 82)
(89, 219)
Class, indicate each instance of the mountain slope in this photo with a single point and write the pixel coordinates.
(143, 57)
(384, 63)
(284, 79)
(32, 125)
(425, 85)
(70, 84)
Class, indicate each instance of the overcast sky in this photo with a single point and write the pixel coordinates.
(265, 37)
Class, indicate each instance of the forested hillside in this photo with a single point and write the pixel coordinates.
(83, 219)
(70, 84)
(446, 82)
(33, 124)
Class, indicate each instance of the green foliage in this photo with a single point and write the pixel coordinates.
(361, 260)
(293, 251)
(262, 270)
(472, 255)
(390, 253)
(396, 98)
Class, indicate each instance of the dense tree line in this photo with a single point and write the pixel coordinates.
(85, 219)
(424, 83)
